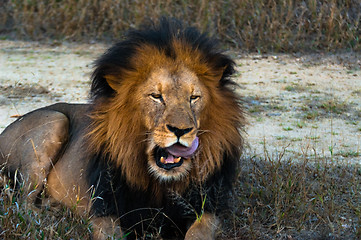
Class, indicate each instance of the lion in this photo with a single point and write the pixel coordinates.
(156, 149)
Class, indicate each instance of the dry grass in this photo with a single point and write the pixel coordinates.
(262, 25)
(276, 197)
(282, 197)
(22, 220)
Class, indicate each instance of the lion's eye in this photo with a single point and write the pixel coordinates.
(156, 96)
(194, 98)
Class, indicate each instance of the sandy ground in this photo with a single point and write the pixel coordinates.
(301, 105)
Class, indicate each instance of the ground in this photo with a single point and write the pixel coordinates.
(309, 103)
(299, 106)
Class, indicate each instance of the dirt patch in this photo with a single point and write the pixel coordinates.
(309, 104)
(23, 91)
(34, 75)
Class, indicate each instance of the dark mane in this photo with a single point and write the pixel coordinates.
(161, 36)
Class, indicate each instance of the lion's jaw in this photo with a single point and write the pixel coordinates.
(172, 109)
(171, 163)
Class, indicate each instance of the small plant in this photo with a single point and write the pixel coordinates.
(301, 124)
(314, 138)
(334, 106)
(297, 139)
(290, 88)
(200, 215)
(287, 128)
(349, 153)
(281, 137)
(356, 92)
(311, 115)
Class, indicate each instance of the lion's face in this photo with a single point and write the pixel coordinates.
(164, 109)
(171, 102)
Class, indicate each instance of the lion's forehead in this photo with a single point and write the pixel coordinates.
(167, 98)
(174, 81)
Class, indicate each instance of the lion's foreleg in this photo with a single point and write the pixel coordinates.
(203, 228)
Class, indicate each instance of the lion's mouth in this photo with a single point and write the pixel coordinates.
(174, 155)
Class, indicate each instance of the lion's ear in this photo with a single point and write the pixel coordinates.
(113, 81)
(218, 73)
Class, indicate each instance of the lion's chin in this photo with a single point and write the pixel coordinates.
(167, 167)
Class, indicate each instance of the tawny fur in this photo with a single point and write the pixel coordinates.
(108, 147)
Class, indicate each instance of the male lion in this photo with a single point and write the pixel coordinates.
(156, 149)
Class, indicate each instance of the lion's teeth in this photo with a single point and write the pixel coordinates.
(162, 160)
(177, 160)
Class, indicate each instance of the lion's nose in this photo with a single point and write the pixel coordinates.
(178, 131)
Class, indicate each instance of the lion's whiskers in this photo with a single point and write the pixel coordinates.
(147, 140)
(147, 137)
(200, 132)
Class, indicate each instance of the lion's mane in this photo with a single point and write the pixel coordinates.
(117, 134)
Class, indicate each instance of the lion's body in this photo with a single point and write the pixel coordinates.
(158, 145)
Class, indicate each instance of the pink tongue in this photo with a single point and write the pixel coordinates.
(181, 151)
(169, 159)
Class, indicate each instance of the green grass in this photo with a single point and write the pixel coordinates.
(287, 128)
(262, 26)
(300, 124)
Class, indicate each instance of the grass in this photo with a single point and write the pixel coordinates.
(262, 26)
(22, 220)
(295, 88)
(301, 124)
(357, 92)
(276, 197)
(287, 128)
(349, 154)
(315, 107)
(283, 197)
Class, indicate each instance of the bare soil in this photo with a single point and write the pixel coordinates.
(306, 104)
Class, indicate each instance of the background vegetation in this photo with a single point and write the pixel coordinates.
(253, 25)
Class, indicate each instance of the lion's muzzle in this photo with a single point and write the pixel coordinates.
(178, 131)
(174, 155)
(182, 151)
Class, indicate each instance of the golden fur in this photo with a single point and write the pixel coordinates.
(118, 120)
